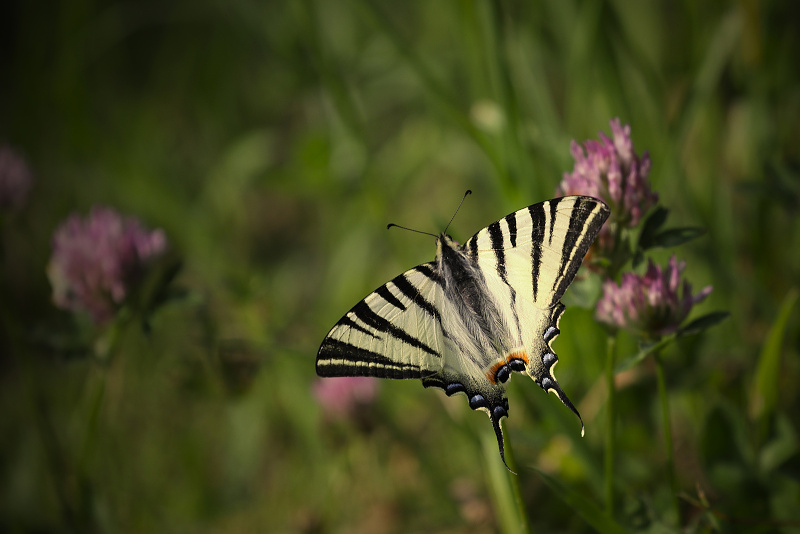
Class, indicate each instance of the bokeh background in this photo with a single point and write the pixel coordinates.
(273, 141)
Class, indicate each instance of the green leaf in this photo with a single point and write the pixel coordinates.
(676, 236)
(702, 323)
(782, 447)
(589, 511)
(650, 231)
(765, 393)
(651, 226)
(156, 287)
(698, 325)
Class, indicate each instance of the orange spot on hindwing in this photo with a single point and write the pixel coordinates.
(491, 373)
(520, 354)
(501, 370)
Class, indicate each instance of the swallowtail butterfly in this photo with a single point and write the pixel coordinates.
(477, 313)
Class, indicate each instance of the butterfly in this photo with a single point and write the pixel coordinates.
(477, 313)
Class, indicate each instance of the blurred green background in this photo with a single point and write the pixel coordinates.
(273, 141)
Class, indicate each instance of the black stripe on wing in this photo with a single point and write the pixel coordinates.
(381, 324)
(347, 322)
(536, 213)
(496, 237)
(553, 212)
(557, 231)
(410, 290)
(364, 341)
(511, 220)
(389, 297)
(472, 246)
(498, 245)
(337, 358)
(585, 221)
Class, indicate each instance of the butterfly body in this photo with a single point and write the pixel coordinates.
(477, 314)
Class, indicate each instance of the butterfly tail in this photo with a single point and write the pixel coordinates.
(552, 386)
(496, 415)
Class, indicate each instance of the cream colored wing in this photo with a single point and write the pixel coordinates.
(528, 259)
(395, 332)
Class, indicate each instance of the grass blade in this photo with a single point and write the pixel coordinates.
(589, 511)
(765, 393)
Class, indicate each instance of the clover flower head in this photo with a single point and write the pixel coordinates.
(99, 260)
(610, 170)
(341, 397)
(16, 179)
(653, 304)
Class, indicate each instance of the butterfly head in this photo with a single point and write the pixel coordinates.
(445, 243)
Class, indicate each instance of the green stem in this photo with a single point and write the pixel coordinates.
(522, 515)
(92, 422)
(611, 414)
(508, 503)
(66, 482)
(662, 394)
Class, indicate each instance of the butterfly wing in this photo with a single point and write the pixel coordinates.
(395, 332)
(529, 258)
(409, 328)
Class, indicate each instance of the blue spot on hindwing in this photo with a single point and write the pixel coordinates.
(503, 374)
(452, 389)
(550, 333)
(478, 401)
(517, 364)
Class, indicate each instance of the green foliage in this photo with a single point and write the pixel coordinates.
(653, 236)
(695, 326)
(589, 511)
(273, 142)
(765, 394)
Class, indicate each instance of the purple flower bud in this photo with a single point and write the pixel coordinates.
(98, 261)
(654, 304)
(610, 170)
(342, 396)
(15, 179)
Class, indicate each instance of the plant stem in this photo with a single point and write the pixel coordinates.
(92, 422)
(662, 393)
(509, 506)
(522, 516)
(611, 415)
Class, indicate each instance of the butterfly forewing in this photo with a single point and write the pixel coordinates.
(541, 247)
(395, 332)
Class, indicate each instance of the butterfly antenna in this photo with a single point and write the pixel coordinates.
(409, 229)
(469, 192)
